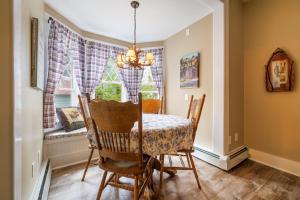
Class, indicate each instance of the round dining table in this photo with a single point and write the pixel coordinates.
(163, 134)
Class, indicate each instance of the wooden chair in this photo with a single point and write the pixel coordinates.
(113, 122)
(194, 113)
(92, 147)
(153, 106)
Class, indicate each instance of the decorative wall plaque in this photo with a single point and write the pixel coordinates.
(279, 72)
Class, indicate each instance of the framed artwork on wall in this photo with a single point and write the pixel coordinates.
(189, 70)
(279, 72)
(37, 77)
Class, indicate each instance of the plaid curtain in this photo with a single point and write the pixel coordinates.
(58, 46)
(96, 58)
(78, 60)
(132, 79)
(157, 69)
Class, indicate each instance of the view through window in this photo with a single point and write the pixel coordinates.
(148, 87)
(111, 86)
(63, 92)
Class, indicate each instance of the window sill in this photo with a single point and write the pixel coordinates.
(60, 134)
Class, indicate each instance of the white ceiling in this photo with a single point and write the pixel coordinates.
(156, 19)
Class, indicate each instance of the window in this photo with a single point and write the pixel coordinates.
(148, 87)
(110, 87)
(67, 89)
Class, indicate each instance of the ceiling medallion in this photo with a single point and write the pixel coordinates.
(132, 57)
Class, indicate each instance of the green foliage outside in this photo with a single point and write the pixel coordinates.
(147, 91)
(109, 91)
(110, 87)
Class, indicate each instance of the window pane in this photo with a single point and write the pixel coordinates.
(150, 95)
(110, 87)
(63, 92)
(62, 101)
(109, 91)
(148, 87)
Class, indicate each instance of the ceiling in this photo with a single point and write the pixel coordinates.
(156, 19)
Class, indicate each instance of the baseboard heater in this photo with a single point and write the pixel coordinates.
(42, 186)
(224, 162)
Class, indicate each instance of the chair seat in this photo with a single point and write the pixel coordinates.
(124, 167)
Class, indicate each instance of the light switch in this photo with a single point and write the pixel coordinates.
(187, 32)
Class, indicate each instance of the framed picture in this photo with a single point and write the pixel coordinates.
(189, 70)
(37, 76)
(279, 72)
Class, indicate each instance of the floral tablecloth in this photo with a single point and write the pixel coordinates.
(162, 134)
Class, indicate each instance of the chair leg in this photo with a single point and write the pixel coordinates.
(188, 160)
(162, 160)
(101, 186)
(136, 188)
(194, 169)
(87, 164)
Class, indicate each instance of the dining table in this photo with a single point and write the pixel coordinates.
(162, 134)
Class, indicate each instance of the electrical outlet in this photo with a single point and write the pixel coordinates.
(236, 136)
(32, 169)
(186, 97)
(229, 140)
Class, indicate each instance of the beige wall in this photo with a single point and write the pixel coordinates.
(236, 74)
(200, 39)
(271, 119)
(28, 101)
(6, 101)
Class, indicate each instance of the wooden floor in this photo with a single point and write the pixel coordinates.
(249, 180)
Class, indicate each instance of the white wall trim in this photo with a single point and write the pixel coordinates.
(276, 162)
(218, 128)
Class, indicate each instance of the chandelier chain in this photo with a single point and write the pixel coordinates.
(134, 26)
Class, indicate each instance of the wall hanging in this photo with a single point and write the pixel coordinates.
(37, 67)
(279, 72)
(189, 70)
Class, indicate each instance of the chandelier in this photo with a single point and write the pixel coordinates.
(132, 58)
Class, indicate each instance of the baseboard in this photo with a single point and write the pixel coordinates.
(276, 162)
(94, 159)
(224, 162)
(41, 188)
